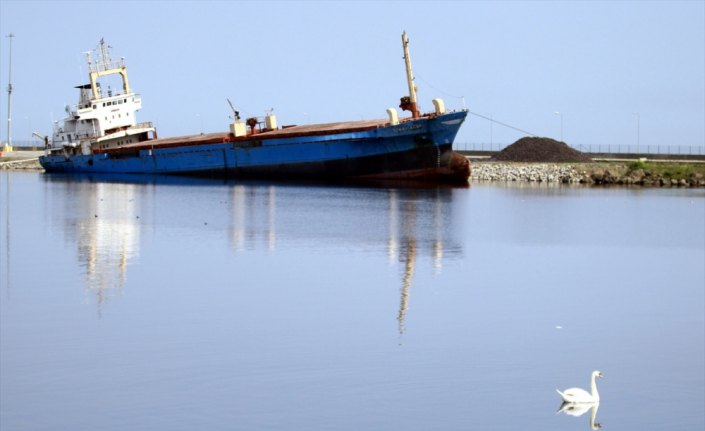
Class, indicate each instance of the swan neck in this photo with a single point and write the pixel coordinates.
(593, 386)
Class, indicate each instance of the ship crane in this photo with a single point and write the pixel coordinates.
(44, 138)
(235, 112)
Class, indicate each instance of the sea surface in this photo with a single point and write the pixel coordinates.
(179, 304)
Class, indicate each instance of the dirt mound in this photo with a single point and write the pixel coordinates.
(533, 149)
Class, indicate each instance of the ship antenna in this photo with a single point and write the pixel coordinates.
(88, 59)
(410, 77)
(105, 58)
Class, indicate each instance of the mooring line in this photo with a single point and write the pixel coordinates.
(502, 124)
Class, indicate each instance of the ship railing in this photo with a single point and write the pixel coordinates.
(91, 136)
(76, 137)
(101, 66)
(108, 95)
(104, 94)
(89, 103)
(145, 125)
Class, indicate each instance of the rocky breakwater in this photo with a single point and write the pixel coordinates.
(658, 176)
(544, 160)
(528, 172)
(533, 159)
(20, 163)
(578, 173)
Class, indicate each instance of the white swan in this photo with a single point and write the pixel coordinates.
(577, 395)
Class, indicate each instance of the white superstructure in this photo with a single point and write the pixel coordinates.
(102, 119)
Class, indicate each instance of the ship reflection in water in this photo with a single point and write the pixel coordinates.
(253, 216)
(108, 241)
(405, 248)
(106, 230)
(110, 217)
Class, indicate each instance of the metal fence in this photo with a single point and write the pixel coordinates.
(496, 146)
(644, 149)
(18, 144)
(597, 149)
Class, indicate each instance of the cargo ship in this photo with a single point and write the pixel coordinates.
(101, 135)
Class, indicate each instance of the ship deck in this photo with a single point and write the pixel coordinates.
(284, 132)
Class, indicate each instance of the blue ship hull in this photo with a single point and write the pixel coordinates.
(419, 149)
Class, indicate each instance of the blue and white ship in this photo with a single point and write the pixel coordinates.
(101, 135)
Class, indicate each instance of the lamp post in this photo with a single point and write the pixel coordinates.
(29, 130)
(560, 115)
(8, 145)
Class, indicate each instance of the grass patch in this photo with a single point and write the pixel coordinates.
(639, 164)
(668, 170)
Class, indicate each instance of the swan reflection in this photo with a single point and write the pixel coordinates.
(579, 409)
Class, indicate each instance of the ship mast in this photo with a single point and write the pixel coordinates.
(104, 66)
(413, 106)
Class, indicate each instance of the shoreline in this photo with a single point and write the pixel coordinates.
(613, 172)
(636, 173)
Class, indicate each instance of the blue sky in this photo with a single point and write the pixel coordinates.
(605, 66)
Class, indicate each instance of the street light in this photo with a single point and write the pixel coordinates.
(29, 130)
(8, 145)
(561, 115)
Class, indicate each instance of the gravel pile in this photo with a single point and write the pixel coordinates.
(546, 150)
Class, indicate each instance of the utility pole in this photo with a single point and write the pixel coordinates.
(8, 145)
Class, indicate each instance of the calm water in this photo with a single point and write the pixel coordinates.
(182, 304)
